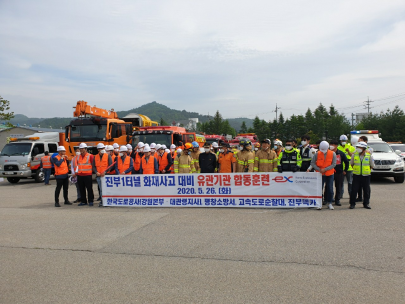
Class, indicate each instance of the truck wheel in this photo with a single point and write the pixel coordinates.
(399, 179)
(13, 180)
(39, 176)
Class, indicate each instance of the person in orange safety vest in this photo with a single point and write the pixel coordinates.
(46, 166)
(61, 175)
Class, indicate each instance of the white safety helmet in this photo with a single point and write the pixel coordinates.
(123, 149)
(109, 148)
(215, 144)
(278, 142)
(158, 146)
(61, 148)
(167, 150)
(146, 149)
(323, 146)
(173, 146)
(343, 137)
(100, 146)
(179, 150)
(354, 140)
(129, 147)
(362, 144)
(164, 147)
(82, 146)
(141, 145)
(152, 146)
(116, 146)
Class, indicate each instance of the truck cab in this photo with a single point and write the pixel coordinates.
(388, 163)
(21, 157)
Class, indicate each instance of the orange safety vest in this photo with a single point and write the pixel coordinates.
(113, 157)
(323, 162)
(172, 167)
(122, 166)
(63, 168)
(84, 165)
(137, 162)
(46, 162)
(148, 167)
(163, 162)
(101, 162)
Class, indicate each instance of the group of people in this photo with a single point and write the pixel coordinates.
(335, 161)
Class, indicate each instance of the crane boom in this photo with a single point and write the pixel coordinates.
(82, 108)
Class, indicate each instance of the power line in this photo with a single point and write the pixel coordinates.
(367, 106)
(277, 108)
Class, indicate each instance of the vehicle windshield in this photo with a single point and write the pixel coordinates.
(211, 140)
(16, 149)
(380, 147)
(88, 132)
(163, 139)
(400, 148)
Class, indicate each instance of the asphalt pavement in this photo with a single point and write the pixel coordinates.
(190, 255)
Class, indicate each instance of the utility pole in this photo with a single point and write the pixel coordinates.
(367, 106)
(277, 108)
(352, 120)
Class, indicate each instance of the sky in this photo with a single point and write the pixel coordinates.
(239, 57)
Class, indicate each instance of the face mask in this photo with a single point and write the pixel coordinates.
(102, 151)
(288, 147)
(207, 150)
(241, 148)
(359, 150)
(121, 154)
(332, 147)
(77, 153)
(152, 150)
(343, 143)
(221, 150)
(256, 149)
(275, 147)
(265, 148)
(172, 150)
(304, 142)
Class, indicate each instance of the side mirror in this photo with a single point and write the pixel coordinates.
(35, 151)
(398, 152)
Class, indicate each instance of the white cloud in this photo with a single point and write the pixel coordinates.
(235, 56)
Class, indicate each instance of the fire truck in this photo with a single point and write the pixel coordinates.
(94, 125)
(251, 136)
(166, 135)
(220, 139)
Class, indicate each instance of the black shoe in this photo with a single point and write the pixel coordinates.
(351, 206)
(100, 205)
(57, 205)
(68, 203)
(76, 201)
(359, 199)
(323, 203)
(99, 198)
(91, 204)
(367, 206)
(82, 204)
(337, 203)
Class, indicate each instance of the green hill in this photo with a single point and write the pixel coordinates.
(153, 110)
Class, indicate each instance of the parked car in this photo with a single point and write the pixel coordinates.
(400, 147)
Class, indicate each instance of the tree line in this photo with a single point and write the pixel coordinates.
(319, 124)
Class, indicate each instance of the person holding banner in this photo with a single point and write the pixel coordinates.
(265, 159)
(138, 158)
(183, 162)
(149, 163)
(226, 159)
(245, 157)
(290, 158)
(165, 160)
(101, 162)
(325, 162)
(207, 160)
(124, 163)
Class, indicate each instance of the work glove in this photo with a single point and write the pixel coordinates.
(280, 169)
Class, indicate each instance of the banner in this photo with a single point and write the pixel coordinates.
(242, 190)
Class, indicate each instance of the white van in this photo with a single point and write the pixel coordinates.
(21, 157)
(387, 161)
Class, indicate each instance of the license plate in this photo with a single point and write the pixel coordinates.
(382, 167)
(10, 173)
